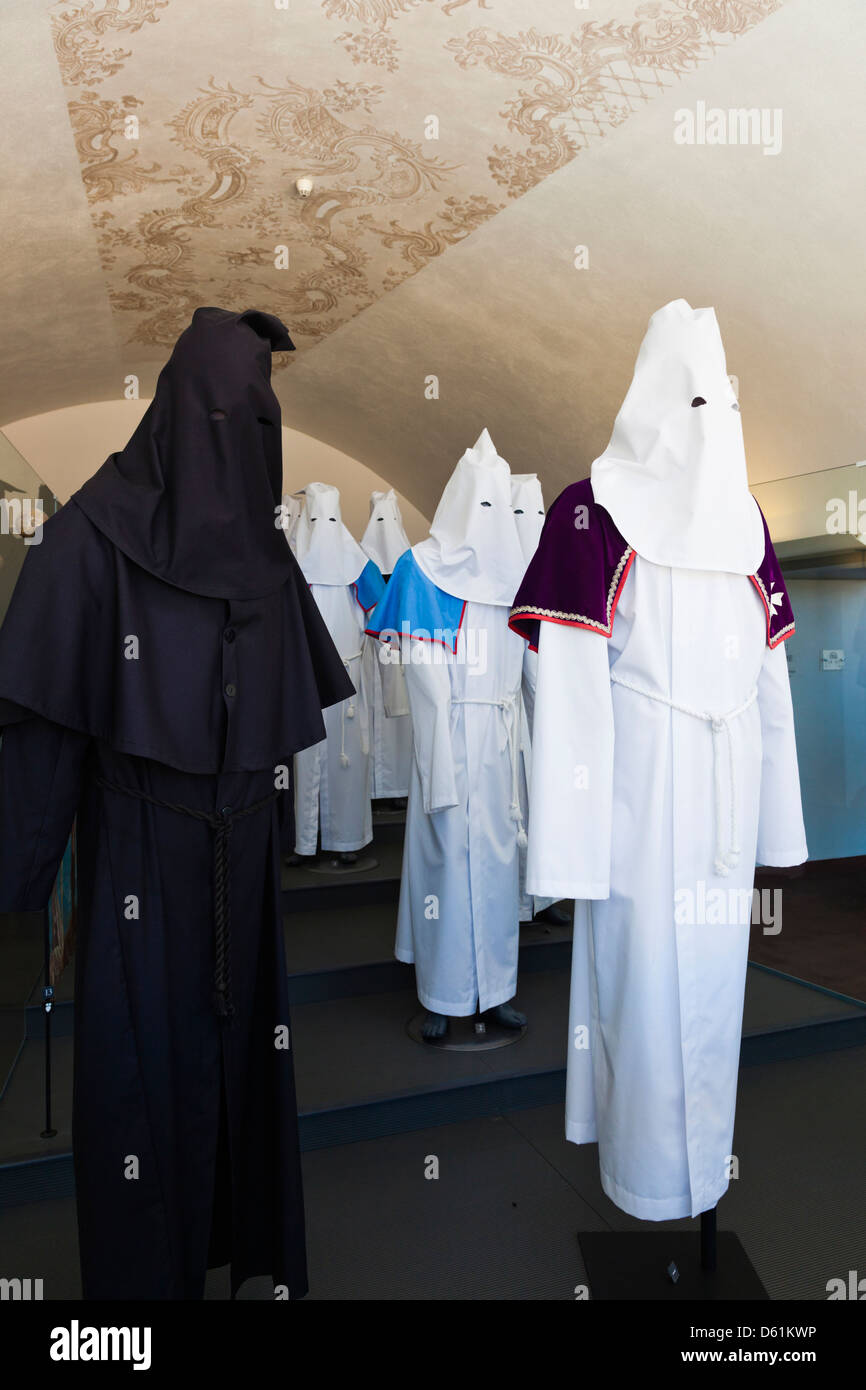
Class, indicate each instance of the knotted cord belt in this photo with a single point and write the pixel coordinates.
(509, 708)
(726, 859)
(221, 822)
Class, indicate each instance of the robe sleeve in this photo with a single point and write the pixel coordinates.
(529, 681)
(395, 695)
(41, 765)
(365, 687)
(571, 788)
(781, 833)
(429, 687)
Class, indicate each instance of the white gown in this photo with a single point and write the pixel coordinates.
(631, 812)
(458, 914)
(384, 541)
(332, 779)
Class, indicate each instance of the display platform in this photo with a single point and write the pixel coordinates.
(359, 1075)
(666, 1266)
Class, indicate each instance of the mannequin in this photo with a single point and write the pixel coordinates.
(332, 780)
(664, 764)
(384, 541)
(444, 618)
(160, 663)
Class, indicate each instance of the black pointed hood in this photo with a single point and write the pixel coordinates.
(192, 497)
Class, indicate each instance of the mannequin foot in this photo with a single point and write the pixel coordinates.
(554, 915)
(346, 857)
(507, 1016)
(434, 1026)
(300, 861)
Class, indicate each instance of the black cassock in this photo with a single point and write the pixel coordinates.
(161, 661)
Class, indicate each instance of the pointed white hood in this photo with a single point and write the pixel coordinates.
(527, 504)
(326, 551)
(473, 550)
(673, 476)
(384, 540)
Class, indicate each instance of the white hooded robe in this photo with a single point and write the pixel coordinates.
(384, 541)
(642, 808)
(458, 913)
(332, 779)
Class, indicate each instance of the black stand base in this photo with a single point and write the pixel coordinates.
(464, 1035)
(332, 865)
(635, 1265)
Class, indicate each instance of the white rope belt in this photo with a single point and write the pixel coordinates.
(720, 724)
(347, 711)
(511, 713)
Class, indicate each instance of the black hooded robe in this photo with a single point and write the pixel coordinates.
(161, 661)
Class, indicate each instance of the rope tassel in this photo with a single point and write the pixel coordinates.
(347, 711)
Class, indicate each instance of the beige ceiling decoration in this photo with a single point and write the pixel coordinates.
(195, 207)
(451, 258)
(542, 353)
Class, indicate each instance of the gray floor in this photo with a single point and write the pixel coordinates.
(501, 1220)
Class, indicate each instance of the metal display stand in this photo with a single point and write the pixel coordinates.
(672, 1266)
(335, 868)
(475, 1033)
(49, 1131)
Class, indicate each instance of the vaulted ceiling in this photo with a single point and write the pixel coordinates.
(461, 151)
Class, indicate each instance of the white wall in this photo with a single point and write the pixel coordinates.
(64, 447)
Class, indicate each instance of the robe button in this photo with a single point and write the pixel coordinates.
(229, 634)
(231, 690)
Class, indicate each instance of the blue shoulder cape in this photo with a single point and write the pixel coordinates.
(369, 586)
(413, 606)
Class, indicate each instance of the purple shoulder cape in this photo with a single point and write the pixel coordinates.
(582, 562)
